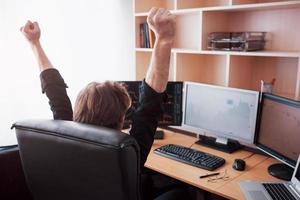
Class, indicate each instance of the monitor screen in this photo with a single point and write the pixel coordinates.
(172, 102)
(220, 111)
(279, 129)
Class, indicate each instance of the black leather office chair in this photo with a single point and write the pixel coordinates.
(65, 160)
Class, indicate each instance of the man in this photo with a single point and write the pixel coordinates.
(105, 104)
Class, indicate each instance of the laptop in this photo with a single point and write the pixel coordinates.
(273, 191)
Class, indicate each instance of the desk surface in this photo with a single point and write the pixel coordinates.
(256, 169)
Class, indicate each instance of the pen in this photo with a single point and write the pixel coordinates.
(208, 175)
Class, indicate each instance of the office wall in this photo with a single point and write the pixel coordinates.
(86, 40)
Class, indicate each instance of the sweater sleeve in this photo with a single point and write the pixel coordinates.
(145, 119)
(55, 88)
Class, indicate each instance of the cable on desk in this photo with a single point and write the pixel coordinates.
(248, 156)
(191, 145)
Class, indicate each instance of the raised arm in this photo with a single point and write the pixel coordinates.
(146, 116)
(33, 33)
(52, 82)
(162, 22)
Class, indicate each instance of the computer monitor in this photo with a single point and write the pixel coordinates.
(172, 103)
(229, 114)
(278, 133)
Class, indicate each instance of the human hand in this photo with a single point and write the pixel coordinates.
(31, 31)
(162, 23)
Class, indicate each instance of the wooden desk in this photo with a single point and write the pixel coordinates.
(256, 167)
(259, 173)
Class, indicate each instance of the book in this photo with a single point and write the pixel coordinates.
(151, 37)
(147, 36)
(146, 33)
(142, 36)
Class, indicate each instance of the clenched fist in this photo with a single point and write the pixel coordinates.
(31, 31)
(162, 22)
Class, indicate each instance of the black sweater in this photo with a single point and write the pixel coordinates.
(145, 118)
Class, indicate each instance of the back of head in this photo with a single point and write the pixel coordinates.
(102, 104)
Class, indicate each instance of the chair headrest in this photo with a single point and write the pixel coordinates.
(77, 131)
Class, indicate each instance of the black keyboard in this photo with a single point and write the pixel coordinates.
(190, 156)
(278, 191)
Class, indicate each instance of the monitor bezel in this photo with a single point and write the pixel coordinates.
(264, 148)
(294, 180)
(201, 131)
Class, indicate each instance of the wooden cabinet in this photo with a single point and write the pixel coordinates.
(192, 61)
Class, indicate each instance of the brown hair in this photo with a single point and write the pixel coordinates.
(103, 104)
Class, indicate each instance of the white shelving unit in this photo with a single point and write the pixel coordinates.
(192, 61)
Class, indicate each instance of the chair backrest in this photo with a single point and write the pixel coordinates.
(68, 160)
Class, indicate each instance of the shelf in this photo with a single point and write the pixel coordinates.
(208, 69)
(193, 61)
(257, 6)
(143, 49)
(292, 54)
(146, 5)
(274, 22)
(248, 71)
(175, 12)
(240, 7)
(188, 31)
(186, 25)
(142, 14)
(245, 2)
(287, 54)
(183, 4)
(143, 61)
(142, 64)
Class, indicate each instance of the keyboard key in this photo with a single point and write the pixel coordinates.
(278, 191)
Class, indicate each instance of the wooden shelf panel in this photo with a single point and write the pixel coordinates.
(188, 31)
(263, 5)
(292, 54)
(146, 5)
(141, 14)
(286, 54)
(208, 69)
(242, 2)
(143, 62)
(175, 12)
(240, 5)
(144, 49)
(274, 22)
(247, 72)
(184, 4)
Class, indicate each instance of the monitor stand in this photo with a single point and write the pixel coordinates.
(221, 144)
(281, 171)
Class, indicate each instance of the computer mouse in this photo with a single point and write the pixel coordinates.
(239, 165)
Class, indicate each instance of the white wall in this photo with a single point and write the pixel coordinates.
(87, 40)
